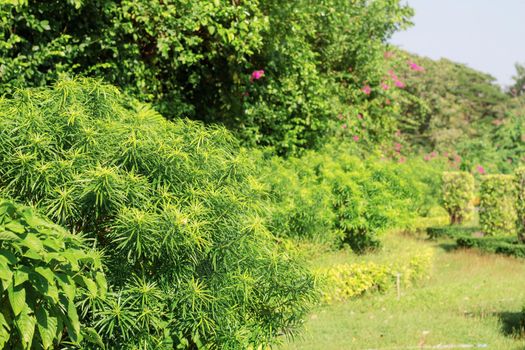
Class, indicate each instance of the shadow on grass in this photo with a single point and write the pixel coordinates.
(448, 247)
(512, 324)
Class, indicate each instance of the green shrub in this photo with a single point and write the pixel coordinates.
(45, 272)
(333, 196)
(173, 204)
(346, 281)
(500, 245)
(451, 231)
(458, 193)
(519, 178)
(301, 201)
(497, 210)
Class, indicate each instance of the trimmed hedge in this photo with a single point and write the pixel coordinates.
(458, 193)
(500, 245)
(345, 281)
(497, 213)
(519, 180)
(450, 231)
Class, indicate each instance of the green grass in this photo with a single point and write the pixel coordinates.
(470, 299)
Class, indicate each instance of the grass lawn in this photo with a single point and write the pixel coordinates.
(470, 299)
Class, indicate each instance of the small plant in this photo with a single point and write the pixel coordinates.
(497, 212)
(519, 180)
(44, 271)
(458, 193)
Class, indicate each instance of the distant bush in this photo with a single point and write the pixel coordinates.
(499, 245)
(519, 179)
(333, 196)
(497, 211)
(458, 193)
(451, 231)
(174, 206)
(45, 272)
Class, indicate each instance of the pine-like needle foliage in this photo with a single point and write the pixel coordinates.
(190, 261)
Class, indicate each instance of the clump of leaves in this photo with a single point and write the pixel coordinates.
(173, 204)
(497, 207)
(44, 271)
(458, 194)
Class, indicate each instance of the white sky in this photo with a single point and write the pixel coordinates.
(488, 35)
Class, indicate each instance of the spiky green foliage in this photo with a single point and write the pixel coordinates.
(174, 206)
(458, 193)
(44, 272)
(497, 207)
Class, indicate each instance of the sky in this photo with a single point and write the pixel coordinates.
(487, 35)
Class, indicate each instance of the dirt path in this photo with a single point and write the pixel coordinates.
(471, 299)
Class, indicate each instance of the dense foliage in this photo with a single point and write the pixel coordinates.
(270, 70)
(519, 179)
(175, 206)
(333, 197)
(458, 193)
(497, 209)
(45, 271)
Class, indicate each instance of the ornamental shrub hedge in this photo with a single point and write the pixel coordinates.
(45, 273)
(458, 193)
(175, 206)
(519, 178)
(497, 209)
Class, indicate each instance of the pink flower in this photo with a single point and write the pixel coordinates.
(399, 84)
(256, 75)
(393, 75)
(445, 154)
(457, 158)
(415, 67)
(433, 154)
(402, 159)
(359, 116)
(340, 116)
(480, 169)
(398, 147)
(388, 54)
(366, 89)
(385, 86)
(344, 126)
(355, 138)
(387, 101)
(427, 158)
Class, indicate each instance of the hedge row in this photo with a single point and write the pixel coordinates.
(501, 245)
(345, 281)
(451, 231)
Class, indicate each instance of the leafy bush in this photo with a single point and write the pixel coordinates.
(45, 271)
(195, 58)
(174, 205)
(500, 245)
(458, 193)
(333, 196)
(301, 201)
(497, 211)
(345, 281)
(519, 178)
(451, 231)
